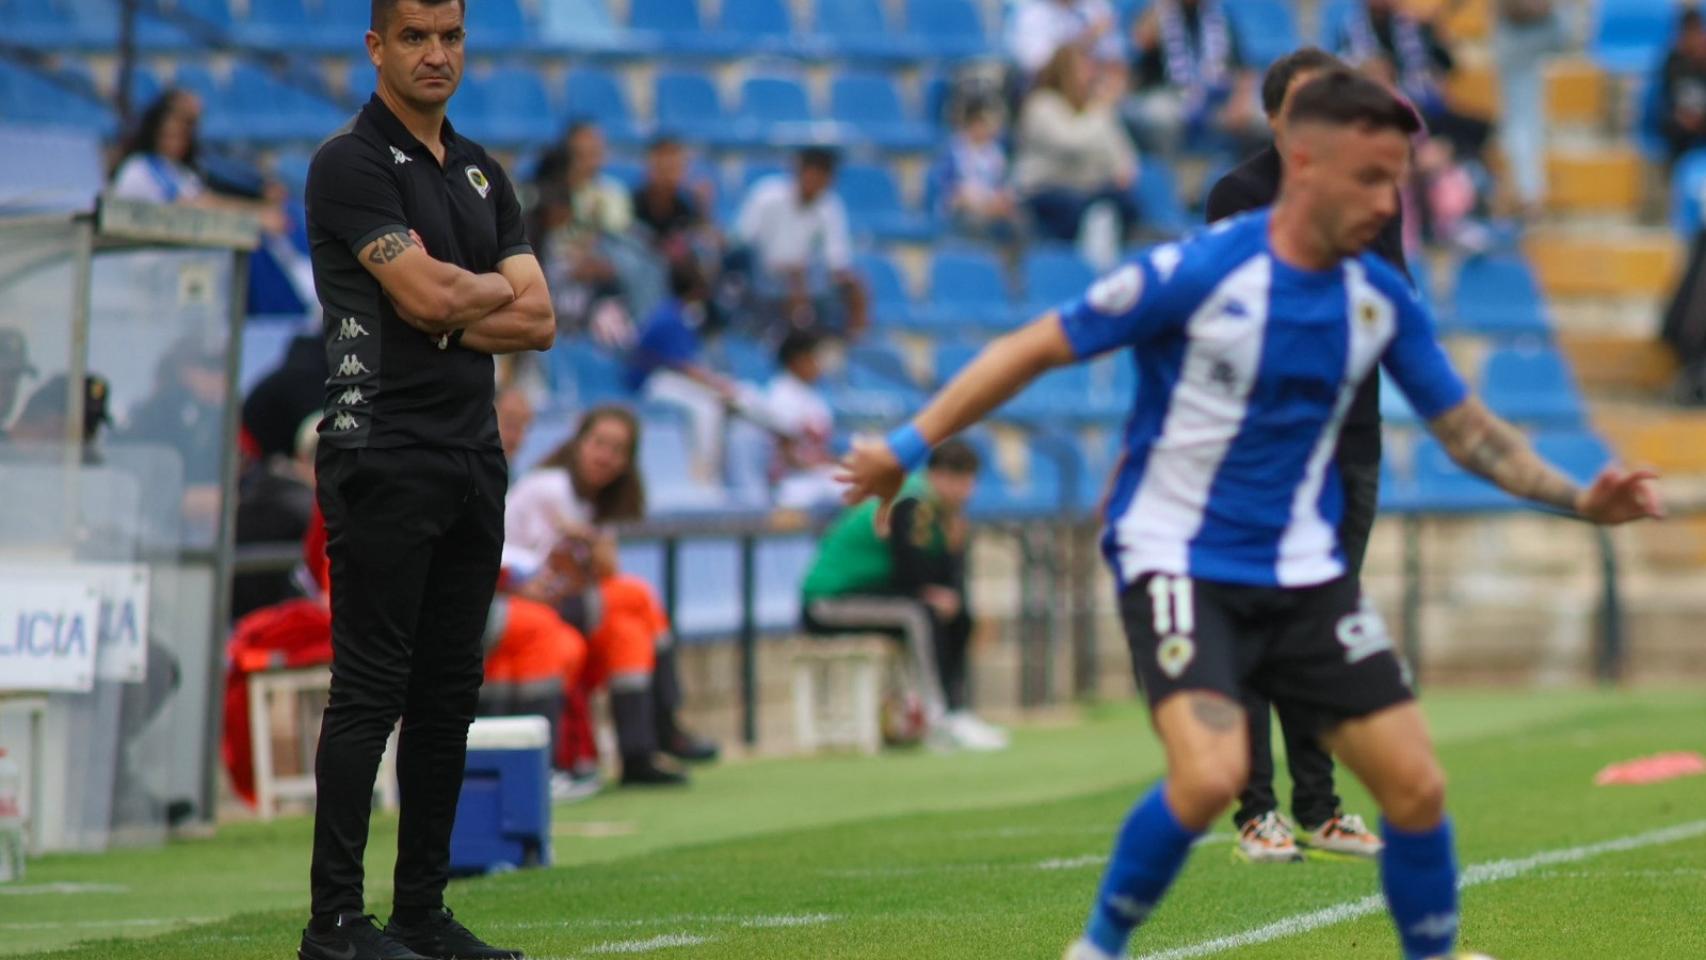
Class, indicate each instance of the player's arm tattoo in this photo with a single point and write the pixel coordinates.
(1490, 448)
(390, 247)
(1216, 712)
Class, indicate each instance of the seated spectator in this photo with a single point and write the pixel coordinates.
(1072, 153)
(1039, 28)
(1191, 82)
(1682, 81)
(794, 232)
(667, 365)
(186, 414)
(560, 548)
(664, 202)
(804, 466)
(911, 584)
(969, 181)
(44, 417)
(1408, 53)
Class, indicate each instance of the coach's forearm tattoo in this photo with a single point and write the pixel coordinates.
(1216, 713)
(1492, 449)
(390, 247)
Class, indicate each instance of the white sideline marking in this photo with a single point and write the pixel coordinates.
(757, 922)
(665, 942)
(1493, 871)
(1074, 863)
(66, 889)
(108, 924)
(788, 920)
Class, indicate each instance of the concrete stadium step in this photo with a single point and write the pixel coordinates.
(1594, 179)
(1604, 263)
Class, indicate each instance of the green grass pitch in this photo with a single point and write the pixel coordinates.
(921, 856)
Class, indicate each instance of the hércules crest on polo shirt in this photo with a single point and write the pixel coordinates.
(479, 181)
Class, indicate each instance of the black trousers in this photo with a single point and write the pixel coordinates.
(1313, 800)
(414, 537)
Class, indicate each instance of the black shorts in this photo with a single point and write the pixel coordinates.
(1319, 648)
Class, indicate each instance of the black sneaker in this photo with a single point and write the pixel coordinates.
(691, 749)
(645, 771)
(351, 936)
(440, 937)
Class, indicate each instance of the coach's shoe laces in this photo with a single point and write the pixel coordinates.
(1268, 839)
(440, 937)
(1344, 833)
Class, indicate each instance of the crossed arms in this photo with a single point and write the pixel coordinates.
(507, 311)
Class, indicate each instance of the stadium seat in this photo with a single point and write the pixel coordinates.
(1578, 453)
(860, 30)
(290, 167)
(1649, 107)
(1331, 17)
(580, 372)
(869, 104)
(191, 24)
(261, 107)
(595, 94)
(878, 366)
(1531, 385)
(874, 206)
(63, 24)
(1498, 296)
(1054, 275)
(674, 27)
(688, 106)
(947, 29)
(628, 173)
(1163, 213)
(507, 107)
(744, 358)
(585, 27)
(1267, 30)
(498, 25)
(1629, 36)
(1061, 395)
(144, 88)
(1688, 193)
(775, 110)
(343, 25)
(285, 25)
(1439, 485)
(968, 290)
(762, 27)
(891, 303)
(29, 96)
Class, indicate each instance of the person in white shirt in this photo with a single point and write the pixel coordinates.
(159, 164)
(802, 249)
(1040, 27)
(804, 463)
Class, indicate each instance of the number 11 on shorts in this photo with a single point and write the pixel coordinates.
(1174, 609)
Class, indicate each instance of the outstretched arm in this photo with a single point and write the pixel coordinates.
(1491, 448)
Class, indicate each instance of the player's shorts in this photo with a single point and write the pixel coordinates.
(1321, 648)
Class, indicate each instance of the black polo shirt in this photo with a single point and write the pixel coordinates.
(392, 385)
(1255, 183)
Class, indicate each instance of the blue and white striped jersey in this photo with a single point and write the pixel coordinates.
(1246, 368)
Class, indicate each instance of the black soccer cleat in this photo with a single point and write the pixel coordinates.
(645, 771)
(440, 937)
(351, 936)
(691, 749)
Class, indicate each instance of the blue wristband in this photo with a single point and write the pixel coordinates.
(908, 446)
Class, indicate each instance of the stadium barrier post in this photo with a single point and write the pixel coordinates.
(1609, 663)
(748, 640)
(1413, 596)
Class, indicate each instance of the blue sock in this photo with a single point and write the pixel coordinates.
(1419, 872)
(1150, 849)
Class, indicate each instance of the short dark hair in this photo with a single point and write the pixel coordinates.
(955, 456)
(380, 15)
(145, 139)
(1344, 98)
(1691, 19)
(797, 343)
(686, 280)
(663, 141)
(820, 158)
(1284, 70)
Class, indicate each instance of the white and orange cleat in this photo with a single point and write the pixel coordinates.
(1268, 839)
(1344, 834)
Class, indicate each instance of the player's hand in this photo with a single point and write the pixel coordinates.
(870, 470)
(1620, 496)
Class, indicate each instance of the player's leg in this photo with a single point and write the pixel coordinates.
(1391, 753)
(1263, 836)
(1181, 636)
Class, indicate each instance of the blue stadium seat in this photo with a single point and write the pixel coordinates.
(1498, 296)
(629, 173)
(1060, 395)
(586, 27)
(498, 25)
(1578, 453)
(199, 80)
(1438, 485)
(1044, 489)
(870, 104)
(1630, 36)
(1531, 385)
(507, 107)
(342, 26)
(290, 167)
(1331, 17)
(1688, 193)
(144, 87)
(1649, 118)
(675, 28)
(26, 95)
(774, 110)
(261, 107)
(285, 25)
(687, 106)
(874, 205)
(744, 358)
(1161, 210)
(582, 373)
(878, 366)
(950, 357)
(761, 27)
(1053, 276)
(860, 30)
(596, 94)
(967, 290)
(947, 29)
(62, 24)
(156, 33)
(891, 303)
(359, 80)
(1267, 30)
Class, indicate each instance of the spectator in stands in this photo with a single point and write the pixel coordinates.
(1528, 32)
(969, 180)
(794, 232)
(1072, 152)
(1039, 28)
(158, 163)
(667, 365)
(805, 424)
(185, 413)
(910, 581)
(1408, 53)
(560, 548)
(1191, 81)
(578, 223)
(1682, 115)
(665, 203)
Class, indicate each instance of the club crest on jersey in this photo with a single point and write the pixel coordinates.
(1367, 314)
(479, 181)
(1175, 654)
(1117, 292)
